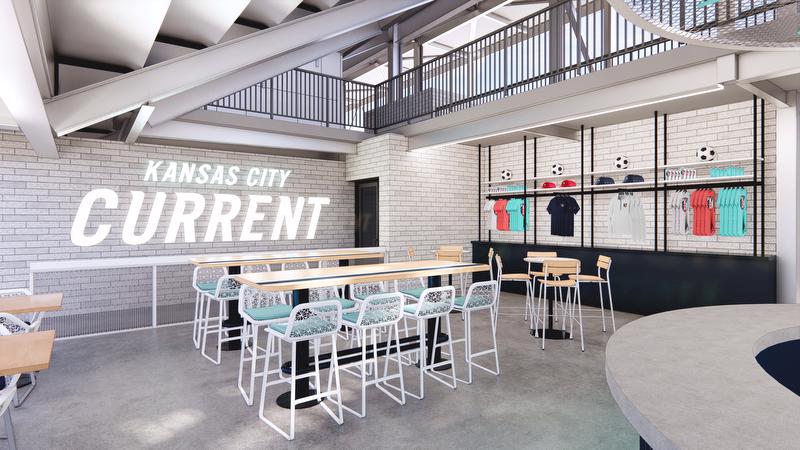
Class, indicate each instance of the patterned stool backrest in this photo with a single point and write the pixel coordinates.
(380, 310)
(364, 290)
(300, 265)
(250, 297)
(481, 295)
(436, 301)
(255, 268)
(323, 293)
(313, 320)
(207, 276)
(227, 288)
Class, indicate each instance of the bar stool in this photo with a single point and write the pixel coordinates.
(307, 322)
(298, 265)
(258, 308)
(480, 296)
(453, 253)
(520, 277)
(10, 324)
(603, 264)
(558, 276)
(204, 280)
(434, 303)
(378, 311)
(227, 290)
(410, 287)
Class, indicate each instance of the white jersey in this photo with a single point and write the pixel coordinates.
(626, 216)
(679, 208)
(491, 217)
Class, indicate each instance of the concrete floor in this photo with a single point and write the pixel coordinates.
(151, 389)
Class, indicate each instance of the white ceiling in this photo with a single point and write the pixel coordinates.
(269, 12)
(117, 32)
(201, 21)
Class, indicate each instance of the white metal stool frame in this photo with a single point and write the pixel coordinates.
(203, 276)
(6, 397)
(558, 269)
(378, 311)
(227, 290)
(434, 303)
(251, 298)
(604, 263)
(327, 319)
(522, 277)
(480, 296)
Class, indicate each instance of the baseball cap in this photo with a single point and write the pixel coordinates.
(633, 178)
(568, 183)
(605, 180)
(548, 185)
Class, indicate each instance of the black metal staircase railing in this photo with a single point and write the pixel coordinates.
(562, 41)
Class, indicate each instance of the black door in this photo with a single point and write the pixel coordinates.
(367, 213)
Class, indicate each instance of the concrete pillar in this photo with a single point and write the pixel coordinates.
(788, 194)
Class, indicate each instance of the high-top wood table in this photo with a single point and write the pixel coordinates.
(234, 263)
(300, 281)
(25, 304)
(25, 352)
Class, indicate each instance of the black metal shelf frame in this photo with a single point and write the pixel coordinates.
(757, 182)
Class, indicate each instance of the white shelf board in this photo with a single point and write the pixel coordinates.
(709, 163)
(710, 179)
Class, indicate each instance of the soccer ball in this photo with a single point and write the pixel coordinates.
(557, 169)
(505, 175)
(706, 153)
(621, 162)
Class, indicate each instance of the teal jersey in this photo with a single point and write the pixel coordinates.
(514, 209)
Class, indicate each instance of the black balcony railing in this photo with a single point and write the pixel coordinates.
(562, 41)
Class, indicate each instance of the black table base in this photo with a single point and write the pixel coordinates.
(234, 318)
(283, 400)
(551, 334)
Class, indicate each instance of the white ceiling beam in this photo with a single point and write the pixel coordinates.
(180, 131)
(18, 87)
(769, 91)
(135, 124)
(34, 22)
(559, 131)
(192, 99)
(104, 100)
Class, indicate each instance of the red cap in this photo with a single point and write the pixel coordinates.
(548, 185)
(568, 183)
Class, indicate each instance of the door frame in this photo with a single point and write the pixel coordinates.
(358, 184)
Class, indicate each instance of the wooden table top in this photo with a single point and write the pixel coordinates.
(23, 304)
(279, 257)
(26, 352)
(288, 280)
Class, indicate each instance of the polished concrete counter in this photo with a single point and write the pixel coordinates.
(689, 378)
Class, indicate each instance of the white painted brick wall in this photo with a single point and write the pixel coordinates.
(39, 198)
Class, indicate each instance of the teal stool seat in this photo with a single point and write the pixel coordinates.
(459, 301)
(346, 303)
(413, 292)
(351, 317)
(207, 286)
(269, 312)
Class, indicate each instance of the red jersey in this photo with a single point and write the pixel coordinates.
(502, 214)
(703, 203)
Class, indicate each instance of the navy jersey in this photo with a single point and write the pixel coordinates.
(562, 209)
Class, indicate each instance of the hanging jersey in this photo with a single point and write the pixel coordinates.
(491, 218)
(679, 209)
(501, 214)
(562, 211)
(514, 210)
